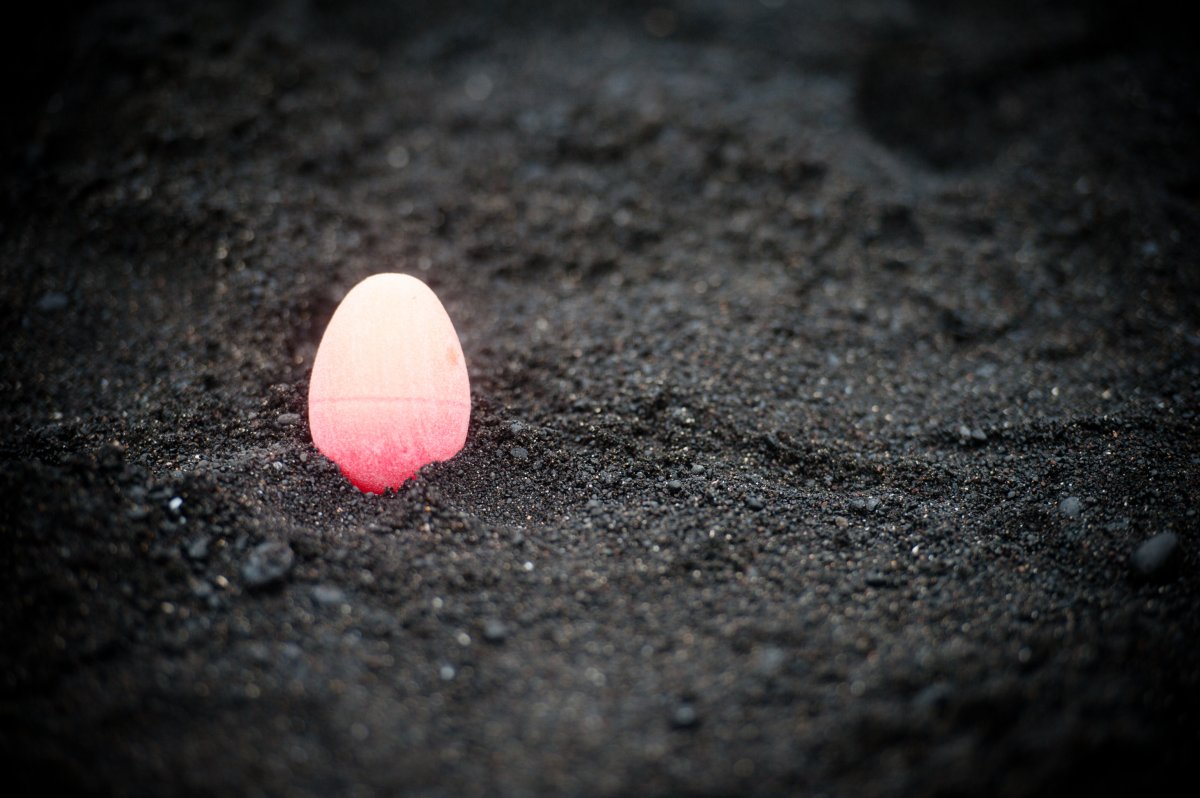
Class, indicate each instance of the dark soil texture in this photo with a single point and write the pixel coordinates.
(830, 362)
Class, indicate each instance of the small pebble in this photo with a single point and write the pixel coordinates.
(494, 631)
(267, 564)
(754, 503)
(198, 549)
(685, 717)
(519, 453)
(1070, 507)
(934, 697)
(287, 419)
(770, 660)
(971, 434)
(327, 595)
(52, 301)
(1157, 557)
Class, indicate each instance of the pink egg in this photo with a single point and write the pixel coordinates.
(389, 390)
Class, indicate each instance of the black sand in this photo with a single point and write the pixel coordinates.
(830, 362)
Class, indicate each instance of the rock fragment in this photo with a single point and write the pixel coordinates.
(684, 717)
(1157, 558)
(267, 564)
(327, 595)
(1070, 507)
(495, 631)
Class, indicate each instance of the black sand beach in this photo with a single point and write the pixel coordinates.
(832, 365)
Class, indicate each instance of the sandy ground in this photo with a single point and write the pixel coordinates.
(830, 364)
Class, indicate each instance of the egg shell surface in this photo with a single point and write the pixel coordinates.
(389, 391)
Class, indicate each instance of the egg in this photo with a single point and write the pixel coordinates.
(389, 391)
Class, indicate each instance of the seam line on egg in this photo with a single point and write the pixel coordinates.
(333, 399)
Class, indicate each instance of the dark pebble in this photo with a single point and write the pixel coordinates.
(933, 698)
(288, 419)
(971, 434)
(770, 660)
(1158, 557)
(52, 301)
(519, 453)
(1070, 507)
(876, 579)
(198, 549)
(267, 563)
(495, 631)
(327, 595)
(754, 503)
(685, 717)
(869, 504)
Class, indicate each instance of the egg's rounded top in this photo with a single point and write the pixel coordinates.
(389, 390)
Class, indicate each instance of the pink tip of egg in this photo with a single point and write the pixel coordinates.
(389, 391)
